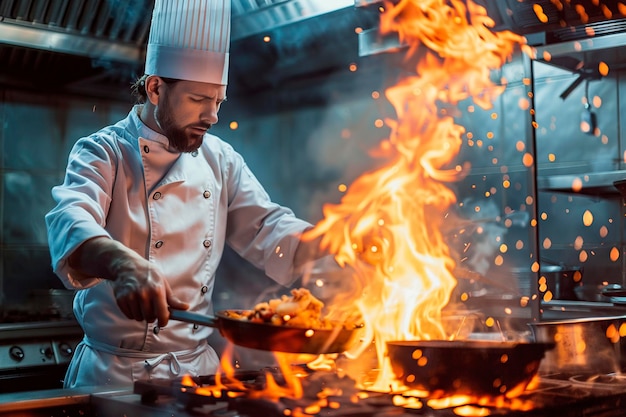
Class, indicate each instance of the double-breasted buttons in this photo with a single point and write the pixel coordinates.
(156, 195)
(206, 194)
(195, 327)
(156, 329)
(194, 153)
(207, 243)
(204, 289)
(158, 244)
(146, 149)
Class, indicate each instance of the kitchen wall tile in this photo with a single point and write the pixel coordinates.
(33, 131)
(27, 199)
(26, 268)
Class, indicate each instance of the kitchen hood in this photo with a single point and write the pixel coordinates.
(118, 29)
(572, 31)
(97, 46)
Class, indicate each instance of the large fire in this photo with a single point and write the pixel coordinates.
(387, 227)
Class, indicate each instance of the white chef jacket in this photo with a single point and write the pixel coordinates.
(177, 210)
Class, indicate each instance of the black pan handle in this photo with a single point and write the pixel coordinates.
(614, 292)
(195, 318)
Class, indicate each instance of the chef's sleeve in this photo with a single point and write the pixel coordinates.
(82, 202)
(260, 230)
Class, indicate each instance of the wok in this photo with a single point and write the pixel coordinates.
(466, 367)
(265, 336)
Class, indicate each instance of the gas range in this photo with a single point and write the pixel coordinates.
(35, 354)
(552, 395)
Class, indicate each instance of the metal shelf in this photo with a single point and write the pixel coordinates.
(594, 183)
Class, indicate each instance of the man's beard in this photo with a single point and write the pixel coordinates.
(177, 136)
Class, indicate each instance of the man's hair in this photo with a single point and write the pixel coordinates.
(138, 89)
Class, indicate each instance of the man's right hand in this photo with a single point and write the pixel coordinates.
(141, 291)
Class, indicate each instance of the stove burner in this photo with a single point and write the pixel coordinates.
(327, 394)
(341, 397)
(610, 379)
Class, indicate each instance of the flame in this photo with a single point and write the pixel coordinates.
(227, 384)
(387, 227)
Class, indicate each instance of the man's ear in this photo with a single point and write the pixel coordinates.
(153, 86)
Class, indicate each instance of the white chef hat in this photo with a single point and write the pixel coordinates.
(190, 40)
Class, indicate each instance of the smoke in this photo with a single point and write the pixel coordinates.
(128, 14)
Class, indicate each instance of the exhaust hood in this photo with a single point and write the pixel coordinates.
(572, 28)
(97, 46)
(118, 29)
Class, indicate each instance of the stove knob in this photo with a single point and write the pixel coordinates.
(16, 353)
(65, 350)
(47, 352)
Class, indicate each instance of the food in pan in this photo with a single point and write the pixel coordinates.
(300, 309)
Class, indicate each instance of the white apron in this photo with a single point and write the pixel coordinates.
(98, 364)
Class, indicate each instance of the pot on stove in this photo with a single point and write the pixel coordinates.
(588, 345)
(466, 367)
(562, 280)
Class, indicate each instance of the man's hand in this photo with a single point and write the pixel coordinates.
(141, 292)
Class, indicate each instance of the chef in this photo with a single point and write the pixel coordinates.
(148, 204)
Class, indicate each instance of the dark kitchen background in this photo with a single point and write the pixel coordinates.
(305, 106)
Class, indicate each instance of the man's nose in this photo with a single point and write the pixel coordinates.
(209, 113)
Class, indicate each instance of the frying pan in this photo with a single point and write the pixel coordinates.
(469, 367)
(265, 336)
(615, 292)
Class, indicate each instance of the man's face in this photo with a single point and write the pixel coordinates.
(186, 110)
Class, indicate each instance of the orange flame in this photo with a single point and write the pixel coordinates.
(226, 382)
(387, 226)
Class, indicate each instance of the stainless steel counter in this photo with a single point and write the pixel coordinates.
(71, 402)
(34, 329)
(592, 183)
(564, 309)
